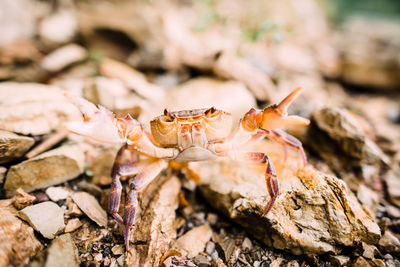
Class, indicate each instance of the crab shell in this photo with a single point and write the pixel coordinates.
(215, 125)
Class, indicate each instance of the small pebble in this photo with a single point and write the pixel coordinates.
(106, 251)
(247, 245)
(121, 260)
(72, 225)
(212, 218)
(210, 247)
(58, 193)
(98, 257)
(117, 250)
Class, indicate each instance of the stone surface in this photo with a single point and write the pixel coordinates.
(22, 200)
(62, 252)
(72, 225)
(50, 168)
(13, 146)
(361, 262)
(155, 222)
(390, 243)
(58, 193)
(46, 217)
(392, 179)
(175, 261)
(340, 139)
(63, 57)
(339, 260)
(58, 28)
(194, 241)
(3, 171)
(17, 240)
(31, 108)
(91, 207)
(314, 213)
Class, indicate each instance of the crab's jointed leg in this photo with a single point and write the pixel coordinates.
(138, 183)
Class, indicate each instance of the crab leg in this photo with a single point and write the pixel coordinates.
(270, 174)
(138, 183)
(286, 139)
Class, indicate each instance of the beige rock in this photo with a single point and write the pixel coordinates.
(58, 28)
(194, 241)
(17, 240)
(73, 209)
(62, 252)
(50, 168)
(368, 197)
(46, 217)
(339, 260)
(117, 250)
(155, 222)
(314, 213)
(361, 262)
(338, 137)
(392, 179)
(13, 146)
(390, 243)
(63, 57)
(91, 207)
(72, 225)
(30, 108)
(22, 200)
(3, 171)
(103, 160)
(58, 193)
(175, 261)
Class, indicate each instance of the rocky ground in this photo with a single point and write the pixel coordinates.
(139, 57)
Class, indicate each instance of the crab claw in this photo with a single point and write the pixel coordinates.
(98, 122)
(276, 116)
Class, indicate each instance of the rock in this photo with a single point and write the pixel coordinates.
(225, 248)
(91, 207)
(369, 251)
(361, 262)
(201, 261)
(13, 146)
(50, 168)
(3, 171)
(369, 49)
(22, 200)
(390, 243)
(72, 225)
(315, 213)
(63, 57)
(18, 242)
(34, 109)
(339, 260)
(58, 193)
(103, 160)
(46, 217)
(194, 241)
(247, 245)
(117, 250)
(73, 209)
(58, 28)
(155, 228)
(338, 137)
(392, 179)
(62, 252)
(175, 261)
(368, 197)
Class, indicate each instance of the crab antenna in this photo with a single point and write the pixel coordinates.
(285, 103)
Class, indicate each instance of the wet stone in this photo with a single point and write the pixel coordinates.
(46, 217)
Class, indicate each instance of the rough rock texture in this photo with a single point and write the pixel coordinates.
(50, 168)
(194, 241)
(155, 222)
(62, 252)
(314, 213)
(22, 200)
(335, 131)
(24, 112)
(91, 207)
(13, 146)
(17, 241)
(46, 217)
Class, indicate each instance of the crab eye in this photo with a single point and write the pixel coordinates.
(169, 117)
(210, 112)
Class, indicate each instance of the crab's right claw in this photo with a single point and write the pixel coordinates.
(276, 116)
(98, 122)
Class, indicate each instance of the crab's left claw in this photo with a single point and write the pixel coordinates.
(276, 116)
(98, 122)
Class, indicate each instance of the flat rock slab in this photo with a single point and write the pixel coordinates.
(63, 57)
(13, 146)
(32, 108)
(314, 213)
(50, 168)
(91, 207)
(194, 241)
(62, 252)
(17, 240)
(46, 217)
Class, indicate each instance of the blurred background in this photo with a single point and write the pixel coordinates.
(142, 56)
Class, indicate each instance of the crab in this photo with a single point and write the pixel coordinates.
(184, 136)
